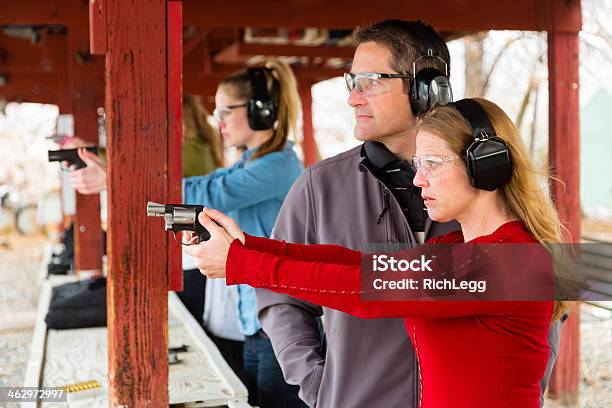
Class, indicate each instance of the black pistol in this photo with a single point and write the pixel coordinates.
(71, 156)
(180, 217)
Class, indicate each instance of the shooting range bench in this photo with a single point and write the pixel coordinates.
(200, 378)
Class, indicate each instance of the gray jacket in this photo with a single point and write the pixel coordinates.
(367, 363)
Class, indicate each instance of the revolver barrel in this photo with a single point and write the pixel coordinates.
(155, 209)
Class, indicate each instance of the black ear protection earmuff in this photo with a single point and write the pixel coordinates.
(262, 109)
(489, 165)
(430, 86)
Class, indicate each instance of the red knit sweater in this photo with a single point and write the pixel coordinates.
(471, 354)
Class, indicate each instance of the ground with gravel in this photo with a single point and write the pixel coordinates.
(20, 262)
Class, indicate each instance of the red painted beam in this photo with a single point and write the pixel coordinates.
(461, 15)
(206, 84)
(196, 58)
(564, 158)
(85, 79)
(23, 97)
(98, 41)
(296, 50)
(52, 88)
(36, 88)
(193, 42)
(175, 133)
(43, 88)
(137, 131)
(22, 56)
(230, 55)
(200, 84)
(241, 52)
(206, 51)
(309, 143)
(564, 384)
(564, 125)
(43, 12)
(313, 74)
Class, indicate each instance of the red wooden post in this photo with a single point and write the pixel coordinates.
(564, 157)
(137, 129)
(85, 77)
(309, 144)
(175, 133)
(97, 25)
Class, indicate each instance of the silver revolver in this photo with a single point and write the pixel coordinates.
(179, 218)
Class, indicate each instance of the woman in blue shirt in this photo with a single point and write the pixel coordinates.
(256, 108)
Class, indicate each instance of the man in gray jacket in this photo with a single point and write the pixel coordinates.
(361, 196)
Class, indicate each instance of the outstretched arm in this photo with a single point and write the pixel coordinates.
(317, 276)
(334, 254)
(339, 287)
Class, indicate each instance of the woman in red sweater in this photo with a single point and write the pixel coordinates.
(471, 353)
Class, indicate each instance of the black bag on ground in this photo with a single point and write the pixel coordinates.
(78, 305)
(63, 262)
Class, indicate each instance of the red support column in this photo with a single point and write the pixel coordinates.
(98, 27)
(85, 83)
(175, 132)
(309, 144)
(137, 129)
(564, 158)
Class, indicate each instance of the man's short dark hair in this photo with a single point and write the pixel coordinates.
(404, 40)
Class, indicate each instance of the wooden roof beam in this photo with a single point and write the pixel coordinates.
(205, 84)
(43, 87)
(192, 42)
(20, 55)
(240, 52)
(36, 88)
(444, 15)
(304, 73)
(44, 12)
(85, 87)
(230, 55)
(474, 15)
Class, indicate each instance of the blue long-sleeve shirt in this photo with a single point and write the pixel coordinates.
(251, 192)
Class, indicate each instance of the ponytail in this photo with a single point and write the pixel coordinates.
(282, 87)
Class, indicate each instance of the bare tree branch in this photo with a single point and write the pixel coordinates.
(534, 120)
(500, 54)
(524, 104)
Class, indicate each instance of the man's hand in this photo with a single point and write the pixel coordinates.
(211, 256)
(90, 179)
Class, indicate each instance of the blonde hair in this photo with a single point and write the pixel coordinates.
(282, 87)
(524, 198)
(195, 125)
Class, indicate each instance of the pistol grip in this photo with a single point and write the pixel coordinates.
(203, 234)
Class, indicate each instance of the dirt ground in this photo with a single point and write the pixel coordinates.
(20, 262)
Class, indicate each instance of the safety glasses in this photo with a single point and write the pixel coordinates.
(222, 112)
(370, 83)
(433, 165)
